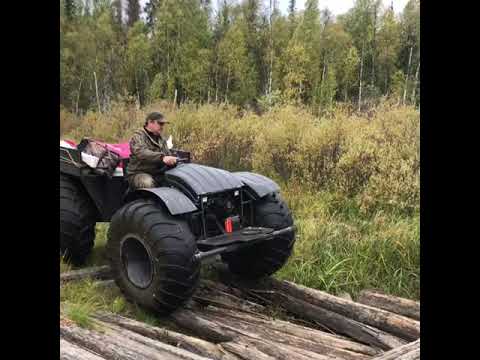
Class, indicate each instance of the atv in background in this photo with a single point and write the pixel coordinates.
(159, 236)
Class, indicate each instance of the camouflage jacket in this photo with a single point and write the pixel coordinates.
(146, 153)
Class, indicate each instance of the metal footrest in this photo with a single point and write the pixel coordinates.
(241, 236)
(250, 236)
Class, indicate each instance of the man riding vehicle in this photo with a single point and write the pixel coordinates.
(150, 155)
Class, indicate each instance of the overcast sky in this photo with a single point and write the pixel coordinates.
(335, 6)
(340, 6)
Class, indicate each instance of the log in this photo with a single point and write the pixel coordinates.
(192, 344)
(354, 329)
(220, 287)
(410, 351)
(112, 346)
(69, 351)
(394, 304)
(276, 350)
(101, 344)
(280, 337)
(395, 324)
(199, 326)
(334, 321)
(245, 352)
(210, 293)
(156, 346)
(254, 340)
(302, 332)
(96, 272)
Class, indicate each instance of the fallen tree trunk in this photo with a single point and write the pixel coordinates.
(398, 325)
(284, 327)
(280, 337)
(309, 310)
(245, 352)
(112, 346)
(165, 350)
(192, 344)
(210, 293)
(96, 272)
(199, 326)
(101, 344)
(409, 351)
(276, 350)
(339, 323)
(249, 338)
(397, 305)
(69, 351)
(342, 324)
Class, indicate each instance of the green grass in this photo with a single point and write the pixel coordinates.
(341, 249)
(81, 299)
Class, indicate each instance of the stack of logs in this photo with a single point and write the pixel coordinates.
(232, 319)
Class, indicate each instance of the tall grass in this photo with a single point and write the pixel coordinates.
(351, 180)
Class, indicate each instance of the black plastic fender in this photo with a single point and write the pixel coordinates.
(175, 201)
(203, 179)
(259, 184)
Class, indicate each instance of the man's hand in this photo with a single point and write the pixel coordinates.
(170, 160)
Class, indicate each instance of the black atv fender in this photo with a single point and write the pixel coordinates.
(259, 184)
(175, 201)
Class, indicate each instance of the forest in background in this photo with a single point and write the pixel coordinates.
(246, 53)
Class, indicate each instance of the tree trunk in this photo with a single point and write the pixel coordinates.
(321, 87)
(96, 92)
(216, 81)
(339, 323)
(199, 326)
(174, 105)
(69, 351)
(270, 74)
(228, 81)
(409, 351)
(136, 88)
(309, 335)
(374, 45)
(245, 352)
(207, 294)
(192, 344)
(390, 303)
(408, 75)
(96, 272)
(106, 345)
(361, 77)
(415, 84)
(146, 345)
(403, 327)
(78, 97)
(245, 326)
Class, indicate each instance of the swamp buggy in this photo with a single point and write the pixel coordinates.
(159, 236)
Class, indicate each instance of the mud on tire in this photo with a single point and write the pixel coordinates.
(268, 257)
(77, 222)
(152, 256)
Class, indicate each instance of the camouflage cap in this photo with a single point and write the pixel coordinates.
(157, 117)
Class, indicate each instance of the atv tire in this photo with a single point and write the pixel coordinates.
(77, 222)
(151, 254)
(268, 257)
